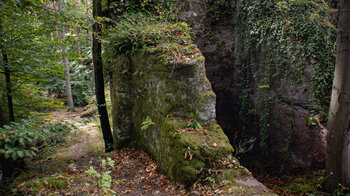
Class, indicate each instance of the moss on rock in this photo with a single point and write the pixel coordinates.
(90, 112)
(167, 84)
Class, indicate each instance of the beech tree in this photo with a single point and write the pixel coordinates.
(99, 80)
(62, 33)
(338, 137)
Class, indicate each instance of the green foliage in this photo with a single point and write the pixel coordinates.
(29, 39)
(148, 122)
(282, 44)
(290, 35)
(55, 138)
(81, 84)
(137, 31)
(35, 185)
(193, 122)
(220, 9)
(163, 9)
(17, 140)
(30, 98)
(104, 180)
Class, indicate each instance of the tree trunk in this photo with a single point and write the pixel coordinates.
(90, 35)
(8, 82)
(66, 63)
(2, 117)
(78, 45)
(78, 37)
(338, 137)
(99, 81)
(8, 87)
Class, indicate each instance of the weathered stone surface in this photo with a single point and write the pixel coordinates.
(218, 42)
(172, 92)
(162, 89)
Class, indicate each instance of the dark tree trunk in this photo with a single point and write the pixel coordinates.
(338, 137)
(2, 117)
(99, 81)
(8, 81)
(8, 87)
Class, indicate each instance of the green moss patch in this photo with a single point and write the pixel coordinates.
(34, 186)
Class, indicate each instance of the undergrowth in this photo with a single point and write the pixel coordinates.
(19, 139)
(137, 31)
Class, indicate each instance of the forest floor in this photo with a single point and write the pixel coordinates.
(61, 168)
(64, 170)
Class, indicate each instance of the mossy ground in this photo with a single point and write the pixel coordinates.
(38, 185)
(74, 148)
(308, 184)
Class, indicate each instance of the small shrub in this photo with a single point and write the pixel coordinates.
(103, 179)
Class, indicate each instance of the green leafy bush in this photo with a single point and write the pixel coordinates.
(17, 140)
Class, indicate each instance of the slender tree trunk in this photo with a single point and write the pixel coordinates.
(2, 117)
(8, 81)
(338, 137)
(99, 90)
(8, 87)
(66, 63)
(78, 44)
(78, 38)
(90, 35)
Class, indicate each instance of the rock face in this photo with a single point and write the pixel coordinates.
(218, 40)
(166, 106)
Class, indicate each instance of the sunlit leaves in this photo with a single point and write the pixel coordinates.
(17, 139)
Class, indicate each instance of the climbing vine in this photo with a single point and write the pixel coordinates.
(287, 46)
(291, 34)
(219, 9)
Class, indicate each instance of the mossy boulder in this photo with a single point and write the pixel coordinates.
(163, 101)
(168, 91)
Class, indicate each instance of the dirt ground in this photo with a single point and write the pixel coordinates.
(133, 173)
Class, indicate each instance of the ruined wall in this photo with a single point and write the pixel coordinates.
(290, 141)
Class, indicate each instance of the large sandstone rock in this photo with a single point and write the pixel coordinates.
(218, 41)
(171, 95)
